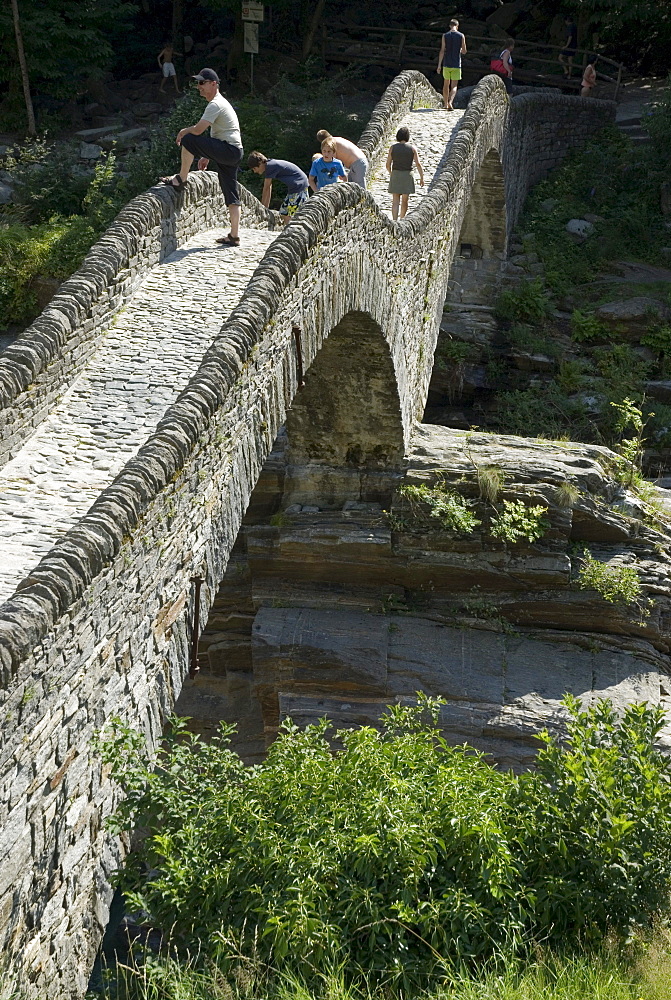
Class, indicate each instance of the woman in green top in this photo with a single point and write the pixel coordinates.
(400, 160)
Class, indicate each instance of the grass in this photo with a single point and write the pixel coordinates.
(644, 973)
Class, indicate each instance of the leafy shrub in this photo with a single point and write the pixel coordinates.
(585, 326)
(397, 855)
(528, 303)
(517, 521)
(617, 585)
(48, 180)
(425, 506)
(658, 339)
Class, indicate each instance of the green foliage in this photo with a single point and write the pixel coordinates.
(617, 585)
(451, 352)
(571, 376)
(528, 303)
(49, 180)
(437, 508)
(517, 521)
(585, 326)
(396, 856)
(610, 178)
(65, 42)
(658, 339)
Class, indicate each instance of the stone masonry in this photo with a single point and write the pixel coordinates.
(102, 624)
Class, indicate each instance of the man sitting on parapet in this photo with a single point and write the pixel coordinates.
(223, 147)
(353, 159)
(281, 170)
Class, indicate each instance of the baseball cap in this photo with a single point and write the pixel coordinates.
(206, 74)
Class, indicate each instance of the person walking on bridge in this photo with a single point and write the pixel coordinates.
(352, 158)
(452, 48)
(223, 147)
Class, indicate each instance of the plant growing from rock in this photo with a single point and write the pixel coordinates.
(566, 494)
(517, 521)
(586, 326)
(437, 507)
(528, 303)
(491, 480)
(615, 584)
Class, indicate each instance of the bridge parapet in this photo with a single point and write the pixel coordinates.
(102, 626)
(51, 352)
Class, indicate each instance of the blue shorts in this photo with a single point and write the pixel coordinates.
(293, 202)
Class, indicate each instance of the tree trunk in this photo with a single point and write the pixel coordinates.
(177, 26)
(25, 80)
(308, 41)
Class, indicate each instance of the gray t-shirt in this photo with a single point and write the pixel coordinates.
(224, 121)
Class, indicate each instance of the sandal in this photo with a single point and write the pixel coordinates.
(228, 241)
(175, 182)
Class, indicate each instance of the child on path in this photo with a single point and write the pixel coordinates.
(326, 169)
(353, 159)
(588, 77)
(400, 160)
(167, 66)
(452, 48)
(281, 170)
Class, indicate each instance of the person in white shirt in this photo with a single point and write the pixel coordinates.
(223, 147)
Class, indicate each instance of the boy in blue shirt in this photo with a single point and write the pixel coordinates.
(326, 169)
(287, 172)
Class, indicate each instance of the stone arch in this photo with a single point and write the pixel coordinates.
(345, 427)
(484, 225)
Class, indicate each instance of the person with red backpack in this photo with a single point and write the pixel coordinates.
(503, 65)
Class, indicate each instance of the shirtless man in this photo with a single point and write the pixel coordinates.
(353, 159)
(165, 61)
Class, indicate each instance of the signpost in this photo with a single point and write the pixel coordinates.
(252, 14)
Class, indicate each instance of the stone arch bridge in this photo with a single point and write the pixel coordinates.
(135, 425)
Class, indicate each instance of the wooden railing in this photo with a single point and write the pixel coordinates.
(396, 48)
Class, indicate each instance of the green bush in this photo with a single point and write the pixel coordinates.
(396, 855)
(528, 303)
(585, 326)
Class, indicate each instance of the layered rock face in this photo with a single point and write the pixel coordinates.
(335, 612)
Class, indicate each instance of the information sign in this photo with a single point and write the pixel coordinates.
(252, 11)
(251, 37)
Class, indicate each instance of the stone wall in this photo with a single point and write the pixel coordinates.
(103, 625)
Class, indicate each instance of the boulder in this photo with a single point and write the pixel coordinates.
(91, 134)
(89, 151)
(6, 194)
(580, 228)
(632, 317)
(123, 140)
(145, 109)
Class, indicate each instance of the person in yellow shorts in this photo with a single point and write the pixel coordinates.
(452, 48)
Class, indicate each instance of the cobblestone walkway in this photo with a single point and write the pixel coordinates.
(143, 362)
(431, 131)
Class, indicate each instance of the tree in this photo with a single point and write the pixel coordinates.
(25, 80)
(65, 41)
